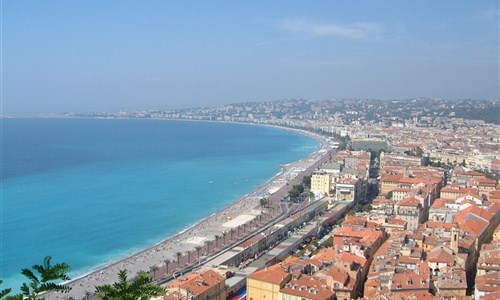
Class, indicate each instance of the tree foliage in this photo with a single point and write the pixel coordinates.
(139, 288)
(295, 192)
(42, 278)
(4, 292)
(306, 181)
(179, 255)
(264, 202)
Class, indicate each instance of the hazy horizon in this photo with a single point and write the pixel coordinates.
(83, 56)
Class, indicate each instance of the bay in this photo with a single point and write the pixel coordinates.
(91, 191)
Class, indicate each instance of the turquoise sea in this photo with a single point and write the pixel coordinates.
(90, 191)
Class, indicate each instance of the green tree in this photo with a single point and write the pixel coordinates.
(167, 263)
(153, 269)
(4, 292)
(389, 195)
(179, 255)
(295, 192)
(231, 232)
(306, 181)
(45, 281)
(208, 246)
(139, 288)
(198, 249)
(217, 237)
(224, 235)
(367, 207)
(264, 202)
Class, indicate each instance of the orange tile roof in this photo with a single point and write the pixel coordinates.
(391, 178)
(199, 282)
(339, 275)
(410, 280)
(440, 203)
(494, 195)
(274, 274)
(488, 283)
(308, 287)
(473, 219)
(325, 255)
(352, 258)
(436, 224)
(420, 295)
(411, 201)
(491, 296)
(354, 220)
(439, 255)
(368, 236)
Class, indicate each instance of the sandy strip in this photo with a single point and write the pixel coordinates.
(245, 213)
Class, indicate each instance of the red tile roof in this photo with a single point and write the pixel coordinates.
(274, 274)
(199, 282)
(308, 287)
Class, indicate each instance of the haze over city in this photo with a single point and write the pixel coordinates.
(84, 56)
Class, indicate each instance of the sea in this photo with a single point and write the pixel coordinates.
(92, 191)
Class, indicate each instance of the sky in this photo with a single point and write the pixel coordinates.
(94, 55)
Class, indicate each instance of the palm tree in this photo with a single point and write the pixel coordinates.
(167, 262)
(208, 246)
(224, 234)
(87, 295)
(189, 256)
(217, 237)
(231, 231)
(198, 249)
(153, 269)
(45, 281)
(139, 288)
(4, 292)
(179, 255)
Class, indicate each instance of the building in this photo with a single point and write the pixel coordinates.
(321, 183)
(411, 211)
(370, 144)
(200, 285)
(267, 283)
(306, 287)
(451, 283)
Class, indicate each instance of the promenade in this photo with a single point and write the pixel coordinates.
(207, 236)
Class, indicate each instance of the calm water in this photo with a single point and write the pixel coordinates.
(88, 192)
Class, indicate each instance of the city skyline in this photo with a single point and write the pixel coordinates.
(89, 56)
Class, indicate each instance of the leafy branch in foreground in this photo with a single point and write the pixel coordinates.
(44, 282)
(139, 288)
(4, 292)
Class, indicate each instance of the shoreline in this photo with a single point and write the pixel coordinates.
(202, 229)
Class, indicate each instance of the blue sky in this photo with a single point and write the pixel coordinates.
(82, 56)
